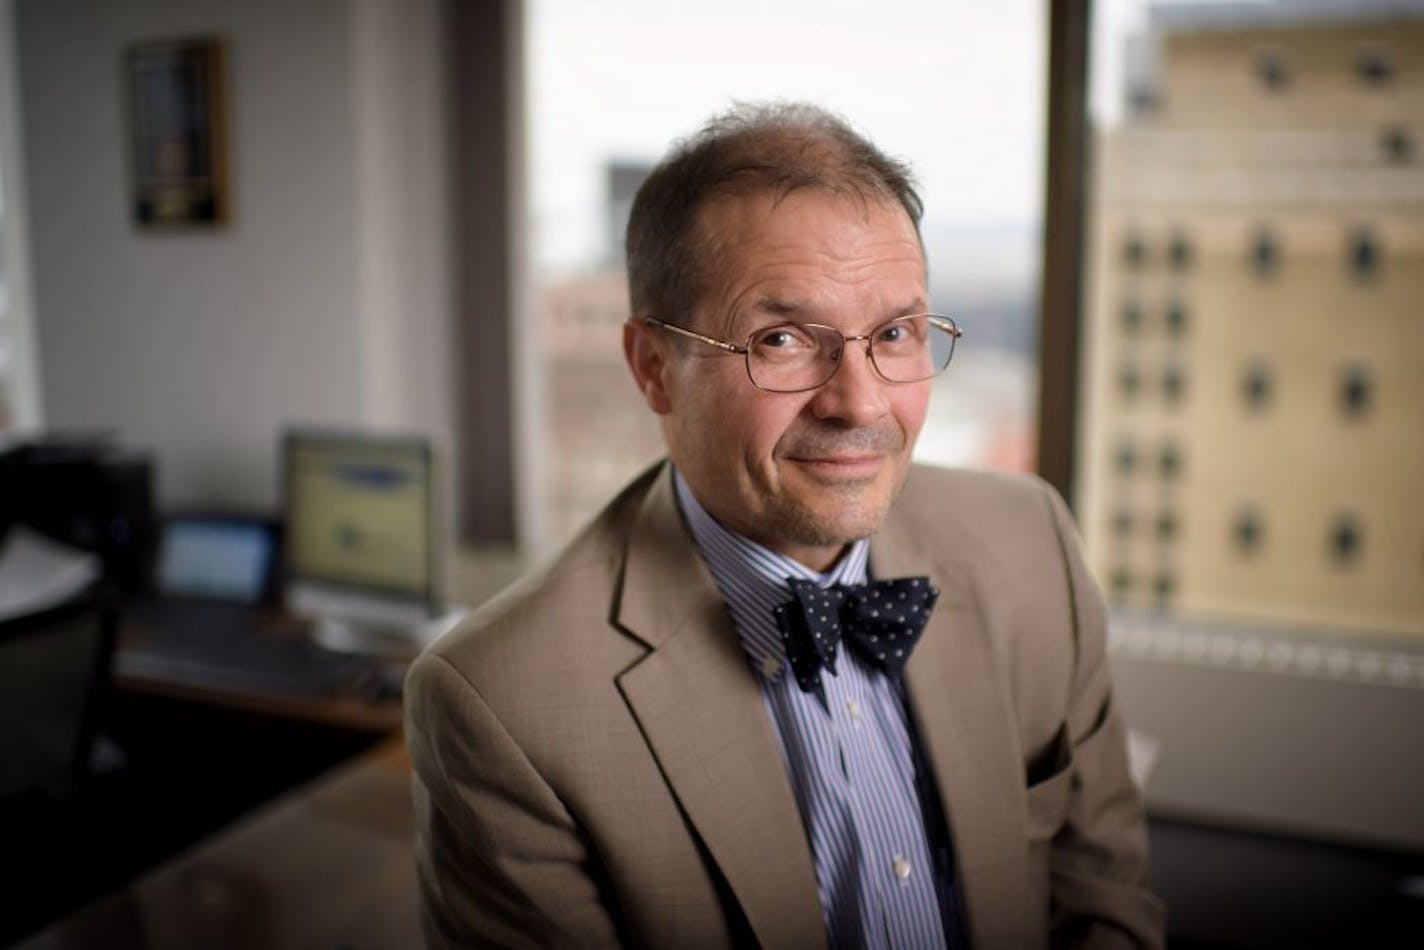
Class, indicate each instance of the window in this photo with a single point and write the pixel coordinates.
(1373, 66)
(1271, 70)
(1345, 541)
(1265, 253)
(1177, 319)
(1256, 386)
(1275, 483)
(1363, 254)
(1179, 252)
(1356, 391)
(1397, 145)
(1290, 373)
(611, 86)
(1247, 532)
(1134, 251)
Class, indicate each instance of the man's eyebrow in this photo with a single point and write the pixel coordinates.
(778, 307)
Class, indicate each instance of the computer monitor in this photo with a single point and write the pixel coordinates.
(360, 550)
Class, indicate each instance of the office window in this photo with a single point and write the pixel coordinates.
(1289, 365)
(611, 86)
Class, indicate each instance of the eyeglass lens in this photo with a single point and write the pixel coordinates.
(794, 357)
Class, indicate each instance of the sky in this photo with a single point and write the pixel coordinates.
(957, 89)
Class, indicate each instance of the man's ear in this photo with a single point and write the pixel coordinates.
(648, 360)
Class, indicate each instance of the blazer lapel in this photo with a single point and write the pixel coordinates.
(704, 720)
(965, 718)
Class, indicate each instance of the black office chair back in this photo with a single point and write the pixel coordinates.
(54, 673)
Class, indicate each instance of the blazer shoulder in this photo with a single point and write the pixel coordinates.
(556, 619)
(985, 507)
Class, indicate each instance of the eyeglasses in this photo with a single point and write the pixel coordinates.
(796, 357)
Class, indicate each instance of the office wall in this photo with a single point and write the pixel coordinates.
(325, 300)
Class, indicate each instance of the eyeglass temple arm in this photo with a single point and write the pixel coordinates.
(720, 344)
(948, 326)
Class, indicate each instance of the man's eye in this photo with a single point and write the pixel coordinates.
(894, 333)
(783, 338)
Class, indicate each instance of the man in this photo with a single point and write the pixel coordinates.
(657, 741)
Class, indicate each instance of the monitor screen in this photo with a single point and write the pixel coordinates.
(222, 558)
(359, 512)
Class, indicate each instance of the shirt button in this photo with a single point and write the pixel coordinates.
(770, 666)
(853, 708)
(901, 867)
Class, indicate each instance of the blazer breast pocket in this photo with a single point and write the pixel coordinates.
(1050, 786)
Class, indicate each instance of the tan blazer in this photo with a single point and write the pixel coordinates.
(595, 766)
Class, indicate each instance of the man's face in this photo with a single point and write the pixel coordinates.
(801, 473)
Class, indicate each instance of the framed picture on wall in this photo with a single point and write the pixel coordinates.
(178, 128)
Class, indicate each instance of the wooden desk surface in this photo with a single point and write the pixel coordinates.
(326, 866)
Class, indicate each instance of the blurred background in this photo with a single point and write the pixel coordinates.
(1185, 240)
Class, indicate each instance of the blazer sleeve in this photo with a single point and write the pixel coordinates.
(1098, 857)
(499, 860)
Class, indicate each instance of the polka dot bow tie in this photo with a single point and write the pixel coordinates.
(882, 620)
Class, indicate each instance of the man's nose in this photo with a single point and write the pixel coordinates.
(856, 395)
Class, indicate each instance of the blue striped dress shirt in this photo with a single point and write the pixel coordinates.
(850, 760)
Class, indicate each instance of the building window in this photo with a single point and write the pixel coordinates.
(1169, 461)
(1164, 585)
(1177, 318)
(1356, 391)
(1122, 522)
(1179, 252)
(1265, 253)
(1373, 66)
(1129, 381)
(1126, 458)
(1134, 251)
(1271, 70)
(1346, 540)
(1121, 580)
(1248, 532)
(1174, 383)
(1131, 317)
(1256, 386)
(1363, 253)
(1397, 145)
(1143, 101)
(1166, 526)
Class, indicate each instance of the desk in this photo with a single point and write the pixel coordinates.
(139, 667)
(327, 865)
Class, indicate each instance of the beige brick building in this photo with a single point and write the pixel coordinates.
(1253, 426)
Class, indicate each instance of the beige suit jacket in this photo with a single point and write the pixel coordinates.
(595, 765)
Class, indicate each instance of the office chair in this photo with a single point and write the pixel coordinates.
(54, 674)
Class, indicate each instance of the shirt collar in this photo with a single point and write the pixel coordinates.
(752, 579)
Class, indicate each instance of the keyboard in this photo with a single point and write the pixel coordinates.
(225, 646)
